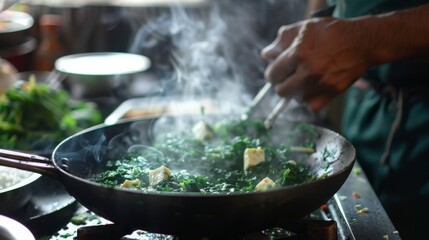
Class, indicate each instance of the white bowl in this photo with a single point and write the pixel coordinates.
(99, 74)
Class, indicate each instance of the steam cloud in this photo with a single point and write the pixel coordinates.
(213, 50)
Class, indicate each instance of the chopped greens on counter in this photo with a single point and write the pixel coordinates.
(34, 117)
(230, 156)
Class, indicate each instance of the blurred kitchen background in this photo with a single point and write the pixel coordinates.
(184, 40)
(187, 56)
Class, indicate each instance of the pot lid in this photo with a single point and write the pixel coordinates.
(102, 63)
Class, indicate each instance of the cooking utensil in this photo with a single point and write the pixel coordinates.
(75, 161)
(272, 117)
(256, 100)
(280, 106)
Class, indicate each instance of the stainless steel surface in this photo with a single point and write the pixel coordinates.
(373, 224)
(346, 223)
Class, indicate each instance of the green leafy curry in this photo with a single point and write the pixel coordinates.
(231, 156)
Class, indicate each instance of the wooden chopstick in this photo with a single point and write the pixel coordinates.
(280, 106)
(255, 102)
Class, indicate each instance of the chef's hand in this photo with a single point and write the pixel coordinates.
(317, 59)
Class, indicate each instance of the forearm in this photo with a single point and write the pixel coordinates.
(397, 35)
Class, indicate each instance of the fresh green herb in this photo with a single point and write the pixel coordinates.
(357, 171)
(35, 117)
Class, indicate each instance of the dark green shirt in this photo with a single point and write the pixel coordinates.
(370, 115)
(400, 73)
(373, 118)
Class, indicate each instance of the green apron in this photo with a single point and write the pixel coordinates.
(389, 126)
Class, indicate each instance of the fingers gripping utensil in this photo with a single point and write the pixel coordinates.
(283, 103)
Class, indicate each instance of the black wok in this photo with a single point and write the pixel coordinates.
(76, 159)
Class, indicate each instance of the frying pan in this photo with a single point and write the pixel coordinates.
(76, 159)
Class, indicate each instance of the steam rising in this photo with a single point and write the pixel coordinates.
(213, 52)
(210, 51)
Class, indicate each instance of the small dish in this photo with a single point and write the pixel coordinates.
(15, 188)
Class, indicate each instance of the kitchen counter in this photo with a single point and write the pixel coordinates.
(356, 195)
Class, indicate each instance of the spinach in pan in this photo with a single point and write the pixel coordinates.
(235, 156)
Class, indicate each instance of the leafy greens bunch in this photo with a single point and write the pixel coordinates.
(34, 116)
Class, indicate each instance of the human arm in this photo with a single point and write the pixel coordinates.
(317, 59)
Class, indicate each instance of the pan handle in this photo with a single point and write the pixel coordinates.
(29, 162)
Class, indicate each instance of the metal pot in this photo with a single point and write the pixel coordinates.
(79, 157)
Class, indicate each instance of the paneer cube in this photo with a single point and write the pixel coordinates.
(130, 183)
(202, 131)
(265, 184)
(253, 157)
(159, 175)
